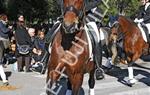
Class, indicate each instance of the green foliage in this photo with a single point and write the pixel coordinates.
(128, 7)
(53, 9)
(31, 9)
(2, 6)
(43, 10)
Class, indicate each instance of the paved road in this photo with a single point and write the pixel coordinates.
(113, 84)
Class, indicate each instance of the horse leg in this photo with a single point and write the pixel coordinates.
(76, 83)
(91, 82)
(114, 53)
(132, 80)
(49, 82)
(69, 89)
(111, 59)
(52, 83)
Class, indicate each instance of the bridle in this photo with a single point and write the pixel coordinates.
(77, 24)
(118, 33)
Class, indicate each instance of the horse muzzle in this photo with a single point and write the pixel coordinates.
(72, 28)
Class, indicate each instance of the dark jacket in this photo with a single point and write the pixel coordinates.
(90, 4)
(22, 38)
(4, 30)
(145, 14)
(39, 43)
(93, 16)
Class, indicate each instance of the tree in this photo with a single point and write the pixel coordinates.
(54, 9)
(31, 9)
(127, 7)
(2, 6)
(40, 10)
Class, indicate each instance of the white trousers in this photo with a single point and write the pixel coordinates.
(148, 26)
(142, 31)
(2, 74)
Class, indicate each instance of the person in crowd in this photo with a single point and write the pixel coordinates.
(4, 44)
(144, 12)
(39, 51)
(23, 45)
(39, 45)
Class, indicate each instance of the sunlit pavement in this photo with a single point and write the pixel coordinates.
(34, 84)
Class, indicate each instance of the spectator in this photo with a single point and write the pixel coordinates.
(39, 51)
(23, 45)
(4, 44)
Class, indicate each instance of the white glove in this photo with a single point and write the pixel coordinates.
(93, 10)
(138, 20)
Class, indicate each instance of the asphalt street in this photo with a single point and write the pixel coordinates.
(22, 83)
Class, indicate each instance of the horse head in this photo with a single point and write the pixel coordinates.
(127, 31)
(73, 14)
(114, 29)
(122, 27)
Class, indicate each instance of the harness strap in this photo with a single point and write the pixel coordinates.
(71, 8)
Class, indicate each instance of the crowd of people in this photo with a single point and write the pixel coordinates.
(26, 44)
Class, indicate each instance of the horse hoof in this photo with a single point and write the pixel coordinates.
(131, 82)
(99, 75)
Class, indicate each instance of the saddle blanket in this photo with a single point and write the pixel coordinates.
(99, 34)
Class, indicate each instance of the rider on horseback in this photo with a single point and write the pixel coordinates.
(91, 9)
(90, 6)
(93, 18)
(144, 16)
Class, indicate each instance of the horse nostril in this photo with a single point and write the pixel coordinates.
(68, 25)
(69, 28)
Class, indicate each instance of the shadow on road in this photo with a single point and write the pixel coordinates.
(63, 83)
(120, 74)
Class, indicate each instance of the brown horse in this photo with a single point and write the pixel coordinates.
(70, 51)
(133, 42)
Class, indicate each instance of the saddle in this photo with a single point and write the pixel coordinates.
(96, 45)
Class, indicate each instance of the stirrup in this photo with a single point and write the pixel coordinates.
(99, 74)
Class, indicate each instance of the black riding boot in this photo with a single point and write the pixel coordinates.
(99, 73)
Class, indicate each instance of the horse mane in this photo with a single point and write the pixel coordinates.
(128, 20)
